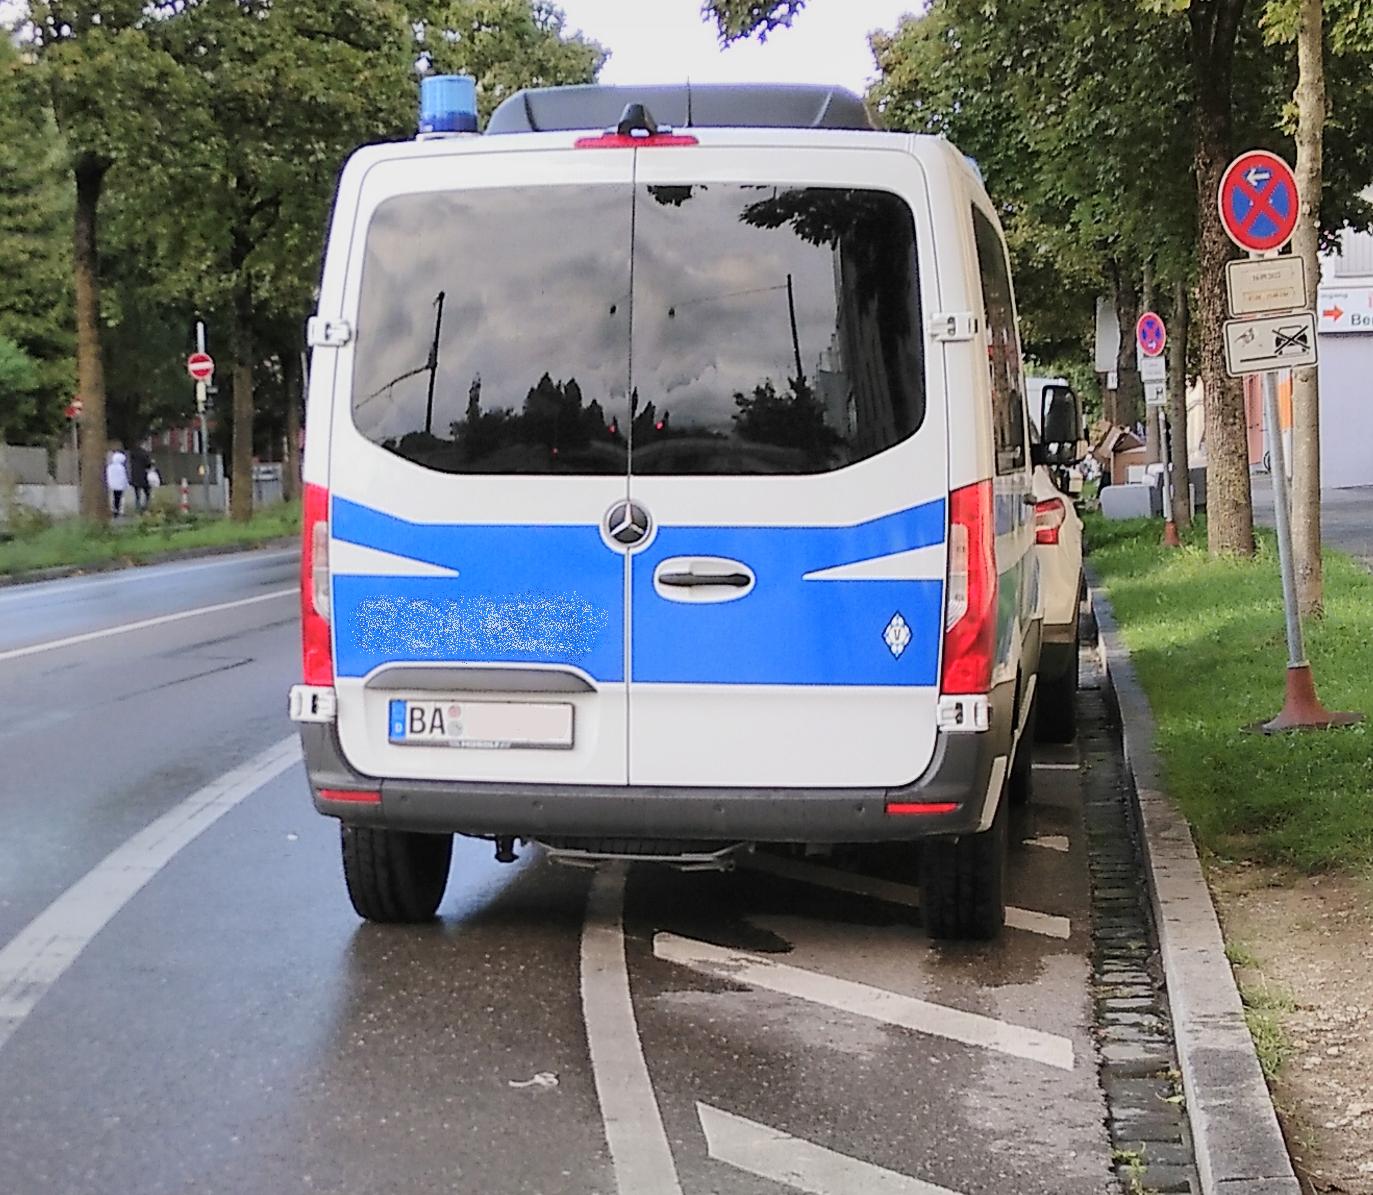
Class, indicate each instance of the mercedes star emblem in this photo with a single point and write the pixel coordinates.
(628, 524)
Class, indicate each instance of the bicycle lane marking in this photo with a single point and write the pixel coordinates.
(639, 1150)
(42, 952)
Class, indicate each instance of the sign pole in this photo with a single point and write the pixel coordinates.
(1296, 647)
(1301, 708)
(1170, 528)
(204, 421)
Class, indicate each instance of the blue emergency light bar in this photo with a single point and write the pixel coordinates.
(448, 104)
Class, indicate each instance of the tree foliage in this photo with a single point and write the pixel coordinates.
(736, 19)
(35, 224)
(505, 45)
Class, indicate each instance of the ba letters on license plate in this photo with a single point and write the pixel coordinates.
(480, 724)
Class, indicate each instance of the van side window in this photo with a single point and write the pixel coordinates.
(1003, 347)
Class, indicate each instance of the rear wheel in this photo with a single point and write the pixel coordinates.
(964, 883)
(395, 875)
(1056, 717)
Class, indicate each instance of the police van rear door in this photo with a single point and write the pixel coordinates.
(479, 438)
(790, 450)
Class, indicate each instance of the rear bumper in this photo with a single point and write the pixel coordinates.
(965, 772)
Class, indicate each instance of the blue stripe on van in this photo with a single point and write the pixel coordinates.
(555, 594)
(789, 631)
(524, 594)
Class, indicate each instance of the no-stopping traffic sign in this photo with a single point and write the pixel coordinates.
(1258, 200)
(201, 366)
(1150, 334)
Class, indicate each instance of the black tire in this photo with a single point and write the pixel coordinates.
(1056, 702)
(964, 883)
(395, 876)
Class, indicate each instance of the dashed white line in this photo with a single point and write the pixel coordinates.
(39, 955)
(1055, 767)
(1050, 925)
(1048, 842)
(879, 1004)
(639, 1151)
(795, 1162)
(142, 624)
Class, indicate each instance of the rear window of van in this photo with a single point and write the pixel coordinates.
(703, 329)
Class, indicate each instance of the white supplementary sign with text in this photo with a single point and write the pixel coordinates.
(1266, 284)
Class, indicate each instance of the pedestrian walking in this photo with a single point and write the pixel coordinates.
(117, 480)
(139, 464)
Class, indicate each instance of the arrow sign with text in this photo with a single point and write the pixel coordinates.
(1258, 201)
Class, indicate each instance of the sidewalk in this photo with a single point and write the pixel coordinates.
(1346, 516)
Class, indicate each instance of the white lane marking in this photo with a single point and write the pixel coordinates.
(639, 1152)
(39, 955)
(772, 1154)
(120, 576)
(846, 995)
(142, 624)
(1049, 842)
(1055, 767)
(1050, 925)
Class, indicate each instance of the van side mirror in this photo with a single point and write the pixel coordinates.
(1060, 422)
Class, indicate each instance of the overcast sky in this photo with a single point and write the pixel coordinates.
(666, 41)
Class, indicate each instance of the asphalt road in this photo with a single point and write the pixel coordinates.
(1346, 516)
(188, 1003)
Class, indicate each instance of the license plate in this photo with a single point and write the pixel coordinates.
(488, 725)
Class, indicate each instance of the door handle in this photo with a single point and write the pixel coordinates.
(703, 579)
(692, 580)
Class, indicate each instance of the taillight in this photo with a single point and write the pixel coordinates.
(318, 659)
(630, 141)
(970, 610)
(1049, 517)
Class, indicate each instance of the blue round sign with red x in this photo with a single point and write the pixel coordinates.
(1150, 334)
(1259, 203)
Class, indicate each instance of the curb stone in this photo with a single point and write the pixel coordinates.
(122, 563)
(1239, 1145)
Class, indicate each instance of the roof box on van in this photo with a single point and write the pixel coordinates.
(682, 105)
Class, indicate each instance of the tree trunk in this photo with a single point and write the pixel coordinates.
(1229, 505)
(1177, 407)
(1129, 389)
(90, 369)
(1306, 437)
(241, 477)
(291, 382)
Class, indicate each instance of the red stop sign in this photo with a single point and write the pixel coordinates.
(201, 366)
(74, 409)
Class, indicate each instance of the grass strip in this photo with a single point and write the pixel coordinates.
(39, 544)
(1207, 640)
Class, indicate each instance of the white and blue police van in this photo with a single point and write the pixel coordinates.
(668, 492)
